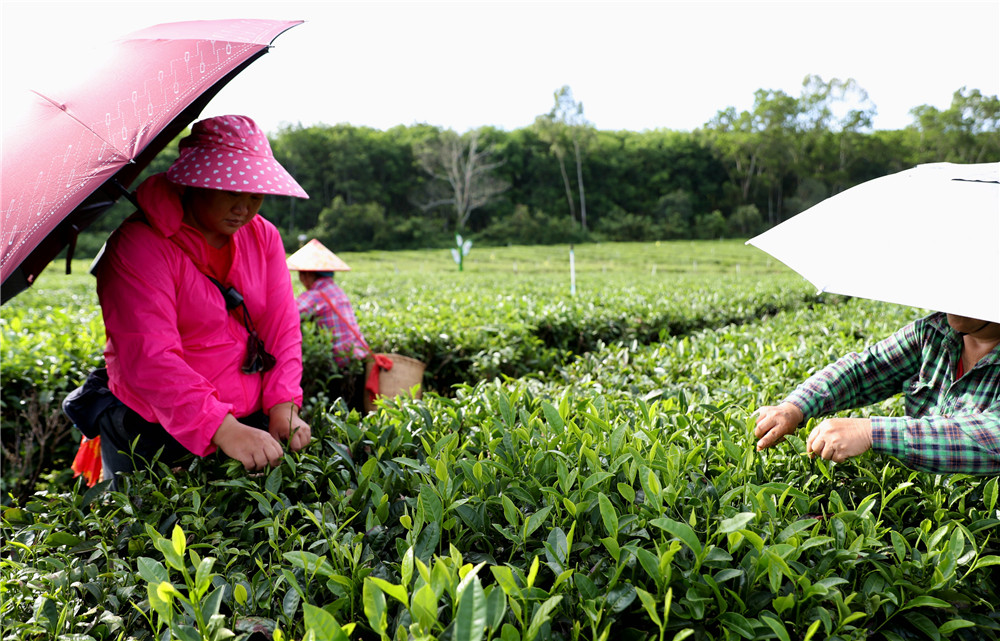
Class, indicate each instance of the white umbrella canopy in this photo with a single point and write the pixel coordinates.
(927, 237)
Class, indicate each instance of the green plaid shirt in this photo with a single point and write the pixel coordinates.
(950, 425)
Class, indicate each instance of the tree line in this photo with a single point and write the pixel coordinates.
(561, 180)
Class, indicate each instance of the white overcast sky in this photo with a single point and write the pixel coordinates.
(633, 65)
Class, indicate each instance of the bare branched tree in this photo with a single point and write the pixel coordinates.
(463, 172)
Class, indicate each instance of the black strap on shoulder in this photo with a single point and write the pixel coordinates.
(232, 297)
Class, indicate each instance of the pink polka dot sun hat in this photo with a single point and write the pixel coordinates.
(231, 153)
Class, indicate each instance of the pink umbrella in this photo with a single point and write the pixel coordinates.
(77, 150)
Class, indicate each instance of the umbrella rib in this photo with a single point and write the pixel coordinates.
(62, 107)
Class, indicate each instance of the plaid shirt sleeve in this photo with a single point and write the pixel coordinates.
(863, 378)
(969, 444)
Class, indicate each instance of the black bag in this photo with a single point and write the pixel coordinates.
(85, 404)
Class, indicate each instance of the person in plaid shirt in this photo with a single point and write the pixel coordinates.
(947, 366)
(325, 302)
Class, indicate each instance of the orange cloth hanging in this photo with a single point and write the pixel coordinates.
(88, 461)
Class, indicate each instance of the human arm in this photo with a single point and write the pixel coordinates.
(967, 443)
(145, 286)
(854, 380)
(266, 285)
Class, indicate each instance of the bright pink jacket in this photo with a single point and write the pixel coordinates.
(174, 352)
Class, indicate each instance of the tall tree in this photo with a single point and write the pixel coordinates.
(564, 128)
(463, 172)
(759, 144)
(966, 132)
(834, 118)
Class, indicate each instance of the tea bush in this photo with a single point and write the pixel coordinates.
(614, 495)
(415, 303)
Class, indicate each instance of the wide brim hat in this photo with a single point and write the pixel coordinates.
(315, 257)
(231, 153)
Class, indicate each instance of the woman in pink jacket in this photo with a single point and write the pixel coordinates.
(192, 374)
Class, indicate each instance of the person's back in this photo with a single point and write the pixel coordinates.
(328, 305)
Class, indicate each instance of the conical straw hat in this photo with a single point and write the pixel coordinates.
(314, 257)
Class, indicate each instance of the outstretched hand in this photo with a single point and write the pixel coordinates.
(838, 439)
(775, 422)
(254, 448)
(284, 424)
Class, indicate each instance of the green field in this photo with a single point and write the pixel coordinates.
(580, 467)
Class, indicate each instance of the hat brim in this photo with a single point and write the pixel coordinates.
(315, 257)
(228, 170)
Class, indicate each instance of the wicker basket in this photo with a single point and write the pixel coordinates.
(406, 373)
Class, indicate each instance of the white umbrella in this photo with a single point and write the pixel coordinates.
(928, 237)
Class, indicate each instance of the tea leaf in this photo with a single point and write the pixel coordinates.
(162, 607)
(311, 563)
(650, 563)
(985, 561)
(813, 627)
(505, 579)
(557, 549)
(955, 624)
(470, 620)
(406, 566)
(178, 540)
(541, 616)
(990, 494)
(608, 515)
(322, 624)
(290, 602)
(151, 571)
(650, 605)
(57, 538)
(620, 597)
(273, 483)
(552, 416)
(510, 511)
(397, 592)
(611, 545)
(203, 576)
(213, 603)
(532, 572)
(682, 531)
(734, 523)
(186, 632)
(925, 625)
(423, 607)
(374, 605)
(925, 602)
(739, 624)
(535, 520)
(777, 626)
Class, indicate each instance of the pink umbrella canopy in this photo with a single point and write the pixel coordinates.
(76, 150)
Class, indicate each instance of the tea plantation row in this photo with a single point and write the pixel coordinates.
(508, 314)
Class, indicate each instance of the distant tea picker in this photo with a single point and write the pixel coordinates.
(326, 303)
(927, 237)
(324, 300)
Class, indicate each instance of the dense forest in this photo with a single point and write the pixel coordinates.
(562, 181)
